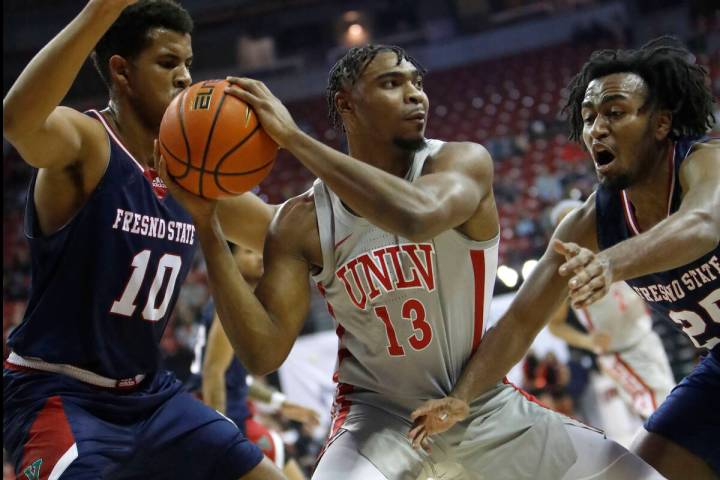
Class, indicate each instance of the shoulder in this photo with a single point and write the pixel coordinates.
(294, 216)
(702, 164)
(294, 230)
(469, 157)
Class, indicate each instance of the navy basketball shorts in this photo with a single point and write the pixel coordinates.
(56, 426)
(690, 415)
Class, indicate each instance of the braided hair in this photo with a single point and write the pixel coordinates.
(674, 82)
(128, 36)
(346, 72)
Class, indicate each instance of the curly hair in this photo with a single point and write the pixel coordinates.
(128, 36)
(346, 72)
(674, 82)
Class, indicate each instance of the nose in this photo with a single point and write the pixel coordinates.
(599, 128)
(413, 94)
(183, 78)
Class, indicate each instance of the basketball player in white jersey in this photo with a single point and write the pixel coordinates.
(620, 332)
(401, 237)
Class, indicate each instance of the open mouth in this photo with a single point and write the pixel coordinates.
(604, 157)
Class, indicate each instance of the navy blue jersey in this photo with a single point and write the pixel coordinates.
(236, 387)
(689, 295)
(104, 284)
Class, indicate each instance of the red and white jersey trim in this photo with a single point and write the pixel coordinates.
(116, 138)
(627, 205)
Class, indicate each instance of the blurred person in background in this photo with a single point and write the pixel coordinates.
(226, 386)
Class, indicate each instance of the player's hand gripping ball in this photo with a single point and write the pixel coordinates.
(212, 142)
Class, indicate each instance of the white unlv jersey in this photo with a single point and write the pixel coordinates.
(408, 315)
(621, 313)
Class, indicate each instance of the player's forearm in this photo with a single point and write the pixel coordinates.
(676, 241)
(502, 347)
(213, 389)
(246, 322)
(572, 336)
(48, 77)
(390, 202)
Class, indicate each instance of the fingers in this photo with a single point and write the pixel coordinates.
(578, 261)
(420, 438)
(566, 248)
(588, 300)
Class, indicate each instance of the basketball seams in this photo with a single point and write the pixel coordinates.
(207, 144)
(181, 112)
(202, 175)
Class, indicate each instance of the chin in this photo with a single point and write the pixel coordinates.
(615, 183)
(410, 144)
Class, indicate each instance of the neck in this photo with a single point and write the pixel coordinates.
(385, 156)
(132, 130)
(649, 196)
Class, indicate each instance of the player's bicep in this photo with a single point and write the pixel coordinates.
(66, 137)
(700, 180)
(284, 289)
(461, 180)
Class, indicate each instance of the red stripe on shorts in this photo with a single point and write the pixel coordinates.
(48, 439)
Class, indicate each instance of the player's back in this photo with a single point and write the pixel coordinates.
(621, 313)
(689, 294)
(409, 314)
(104, 284)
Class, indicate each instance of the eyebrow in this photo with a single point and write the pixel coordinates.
(396, 73)
(609, 98)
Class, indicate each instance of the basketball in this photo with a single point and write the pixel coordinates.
(213, 144)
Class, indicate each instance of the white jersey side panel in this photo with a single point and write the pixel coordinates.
(621, 313)
(409, 315)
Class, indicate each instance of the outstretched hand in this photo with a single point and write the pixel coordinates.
(272, 114)
(435, 416)
(592, 276)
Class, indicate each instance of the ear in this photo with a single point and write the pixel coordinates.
(119, 72)
(343, 102)
(663, 124)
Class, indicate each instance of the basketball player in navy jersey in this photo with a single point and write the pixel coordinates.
(82, 391)
(654, 221)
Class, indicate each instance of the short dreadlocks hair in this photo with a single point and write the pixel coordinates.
(673, 80)
(128, 36)
(346, 72)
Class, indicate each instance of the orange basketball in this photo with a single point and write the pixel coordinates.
(213, 144)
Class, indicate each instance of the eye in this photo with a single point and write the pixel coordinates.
(419, 83)
(389, 84)
(588, 119)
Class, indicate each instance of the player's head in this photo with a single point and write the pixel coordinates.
(145, 56)
(249, 262)
(377, 90)
(561, 210)
(624, 105)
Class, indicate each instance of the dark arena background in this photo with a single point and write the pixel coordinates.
(498, 72)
